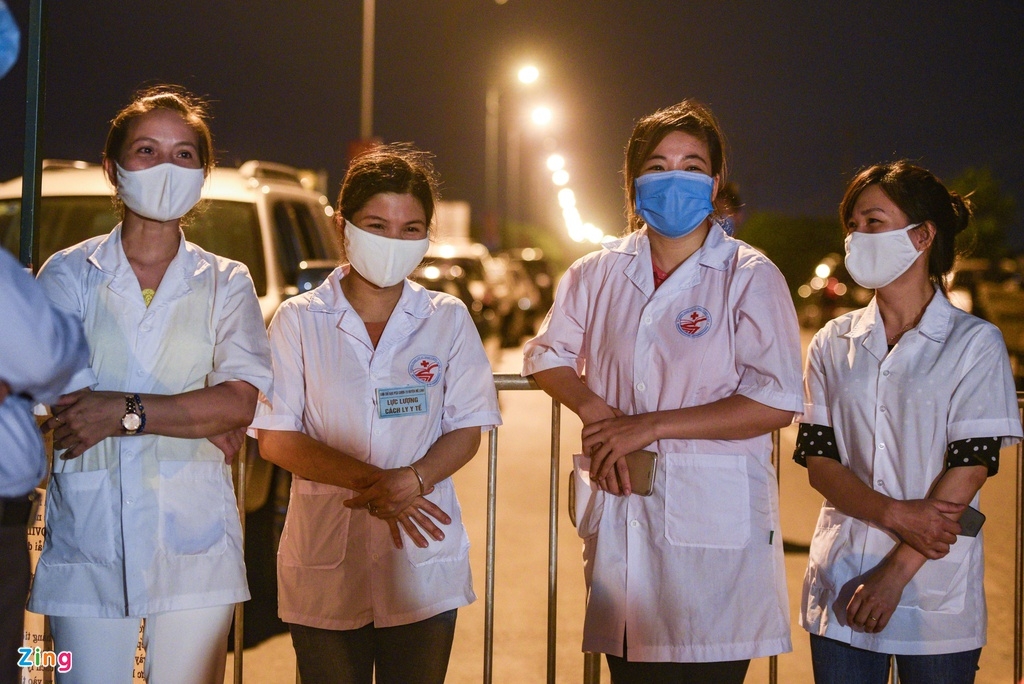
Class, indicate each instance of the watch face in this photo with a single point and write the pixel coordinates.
(131, 422)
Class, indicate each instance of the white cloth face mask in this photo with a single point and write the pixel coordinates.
(876, 259)
(382, 260)
(163, 192)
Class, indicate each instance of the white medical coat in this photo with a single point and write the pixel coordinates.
(894, 414)
(337, 567)
(144, 524)
(694, 572)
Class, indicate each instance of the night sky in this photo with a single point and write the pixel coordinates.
(807, 92)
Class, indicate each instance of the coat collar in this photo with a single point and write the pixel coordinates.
(934, 324)
(108, 256)
(414, 304)
(717, 252)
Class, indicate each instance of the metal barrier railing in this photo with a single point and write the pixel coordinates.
(591, 661)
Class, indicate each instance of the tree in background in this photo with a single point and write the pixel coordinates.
(795, 243)
(993, 211)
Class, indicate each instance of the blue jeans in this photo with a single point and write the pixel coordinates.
(407, 654)
(838, 663)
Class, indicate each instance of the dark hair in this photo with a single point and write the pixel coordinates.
(689, 116)
(174, 98)
(922, 197)
(397, 168)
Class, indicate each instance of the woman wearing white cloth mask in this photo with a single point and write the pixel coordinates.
(908, 402)
(141, 516)
(381, 389)
(689, 342)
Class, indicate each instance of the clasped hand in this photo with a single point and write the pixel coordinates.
(394, 496)
(84, 418)
(608, 435)
(929, 526)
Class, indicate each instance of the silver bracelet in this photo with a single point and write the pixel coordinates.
(418, 477)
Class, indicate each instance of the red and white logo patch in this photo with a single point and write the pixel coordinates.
(693, 322)
(425, 369)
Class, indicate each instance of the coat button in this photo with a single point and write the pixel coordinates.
(634, 523)
(640, 387)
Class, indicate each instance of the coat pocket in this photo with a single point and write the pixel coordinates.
(707, 500)
(316, 530)
(819, 580)
(940, 586)
(79, 518)
(587, 500)
(193, 507)
(455, 545)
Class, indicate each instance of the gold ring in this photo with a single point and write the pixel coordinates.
(873, 618)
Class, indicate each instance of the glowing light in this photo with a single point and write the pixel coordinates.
(560, 177)
(566, 198)
(839, 289)
(817, 283)
(556, 162)
(431, 273)
(529, 73)
(823, 270)
(542, 116)
(446, 251)
(804, 291)
(592, 233)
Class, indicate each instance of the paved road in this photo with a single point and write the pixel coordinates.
(522, 548)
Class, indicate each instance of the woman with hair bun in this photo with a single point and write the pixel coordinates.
(908, 402)
(381, 389)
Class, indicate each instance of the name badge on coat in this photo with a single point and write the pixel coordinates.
(401, 402)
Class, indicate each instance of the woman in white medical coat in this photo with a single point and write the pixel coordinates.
(689, 343)
(381, 389)
(141, 519)
(908, 402)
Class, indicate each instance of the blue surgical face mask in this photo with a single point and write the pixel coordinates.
(674, 203)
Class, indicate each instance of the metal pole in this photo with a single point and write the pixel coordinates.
(513, 143)
(773, 661)
(366, 96)
(591, 668)
(492, 490)
(240, 607)
(32, 175)
(492, 109)
(1018, 563)
(556, 428)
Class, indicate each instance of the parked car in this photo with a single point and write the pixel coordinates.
(541, 274)
(260, 214)
(830, 292)
(525, 306)
(263, 214)
(463, 269)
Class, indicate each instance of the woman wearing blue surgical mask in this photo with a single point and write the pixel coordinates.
(141, 518)
(689, 343)
(381, 389)
(908, 402)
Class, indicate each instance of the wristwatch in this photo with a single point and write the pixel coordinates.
(134, 419)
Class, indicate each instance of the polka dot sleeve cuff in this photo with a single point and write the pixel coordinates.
(983, 451)
(815, 440)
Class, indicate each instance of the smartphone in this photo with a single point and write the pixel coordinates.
(642, 466)
(971, 521)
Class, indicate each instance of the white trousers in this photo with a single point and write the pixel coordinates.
(182, 647)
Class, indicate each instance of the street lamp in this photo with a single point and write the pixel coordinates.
(526, 75)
